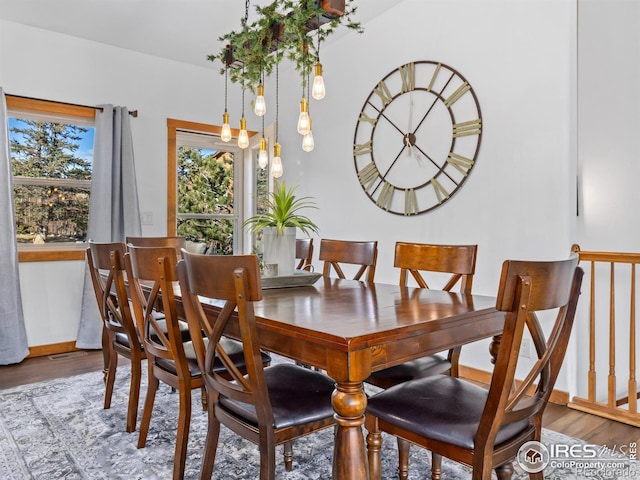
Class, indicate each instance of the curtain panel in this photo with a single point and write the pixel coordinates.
(14, 346)
(113, 211)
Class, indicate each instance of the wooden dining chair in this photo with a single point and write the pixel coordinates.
(426, 264)
(451, 265)
(304, 253)
(480, 427)
(167, 353)
(268, 406)
(337, 253)
(106, 266)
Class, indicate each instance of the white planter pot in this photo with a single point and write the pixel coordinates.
(280, 249)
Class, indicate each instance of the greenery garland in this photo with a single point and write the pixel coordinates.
(293, 25)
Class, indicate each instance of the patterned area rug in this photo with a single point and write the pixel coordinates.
(59, 430)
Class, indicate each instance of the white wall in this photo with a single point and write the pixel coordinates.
(41, 64)
(609, 166)
(520, 198)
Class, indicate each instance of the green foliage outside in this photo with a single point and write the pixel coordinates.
(205, 186)
(48, 213)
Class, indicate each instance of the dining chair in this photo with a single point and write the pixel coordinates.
(304, 253)
(449, 265)
(485, 427)
(268, 406)
(337, 253)
(171, 358)
(106, 266)
(168, 355)
(426, 264)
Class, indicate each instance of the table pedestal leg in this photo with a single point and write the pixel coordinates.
(349, 457)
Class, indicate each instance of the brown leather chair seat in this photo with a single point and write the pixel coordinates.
(291, 405)
(422, 367)
(455, 410)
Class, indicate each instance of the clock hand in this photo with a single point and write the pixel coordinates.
(440, 168)
(416, 155)
(433, 104)
(406, 138)
(381, 113)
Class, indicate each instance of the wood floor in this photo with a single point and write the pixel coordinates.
(593, 429)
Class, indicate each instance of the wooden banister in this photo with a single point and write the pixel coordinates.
(616, 406)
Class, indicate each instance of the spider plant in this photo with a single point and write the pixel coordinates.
(284, 208)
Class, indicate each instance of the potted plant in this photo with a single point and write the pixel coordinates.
(279, 224)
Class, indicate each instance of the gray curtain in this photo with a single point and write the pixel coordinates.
(14, 346)
(113, 212)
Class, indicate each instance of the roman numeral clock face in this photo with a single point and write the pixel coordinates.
(417, 138)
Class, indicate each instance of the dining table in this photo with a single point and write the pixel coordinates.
(350, 329)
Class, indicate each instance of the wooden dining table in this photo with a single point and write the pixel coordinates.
(350, 329)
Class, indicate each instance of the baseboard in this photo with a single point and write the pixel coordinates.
(559, 397)
(52, 349)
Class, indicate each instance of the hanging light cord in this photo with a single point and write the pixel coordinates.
(226, 76)
(244, 24)
(277, 90)
(318, 49)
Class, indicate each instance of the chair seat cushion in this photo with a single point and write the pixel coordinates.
(232, 347)
(440, 407)
(122, 338)
(298, 395)
(420, 368)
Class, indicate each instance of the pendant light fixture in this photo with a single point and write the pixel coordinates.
(225, 134)
(276, 164)
(304, 121)
(318, 90)
(307, 140)
(263, 155)
(260, 106)
(243, 136)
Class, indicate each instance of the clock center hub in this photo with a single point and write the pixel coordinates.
(409, 139)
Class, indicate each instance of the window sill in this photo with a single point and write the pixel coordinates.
(51, 253)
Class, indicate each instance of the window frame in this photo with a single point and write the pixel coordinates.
(174, 127)
(17, 105)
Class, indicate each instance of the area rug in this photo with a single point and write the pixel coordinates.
(59, 430)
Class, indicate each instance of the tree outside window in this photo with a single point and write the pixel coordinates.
(52, 180)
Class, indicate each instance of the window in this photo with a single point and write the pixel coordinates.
(206, 187)
(51, 148)
(207, 192)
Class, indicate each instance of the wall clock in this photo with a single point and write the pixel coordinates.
(417, 137)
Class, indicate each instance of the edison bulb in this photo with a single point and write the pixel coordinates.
(276, 164)
(307, 142)
(225, 134)
(260, 107)
(304, 121)
(318, 91)
(263, 156)
(243, 136)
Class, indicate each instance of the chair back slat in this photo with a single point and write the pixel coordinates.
(155, 268)
(336, 252)
(528, 291)
(177, 242)
(304, 253)
(114, 308)
(417, 258)
(235, 281)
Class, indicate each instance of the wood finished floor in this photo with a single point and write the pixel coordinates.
(590, 428)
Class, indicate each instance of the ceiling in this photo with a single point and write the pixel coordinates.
(181, 30)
